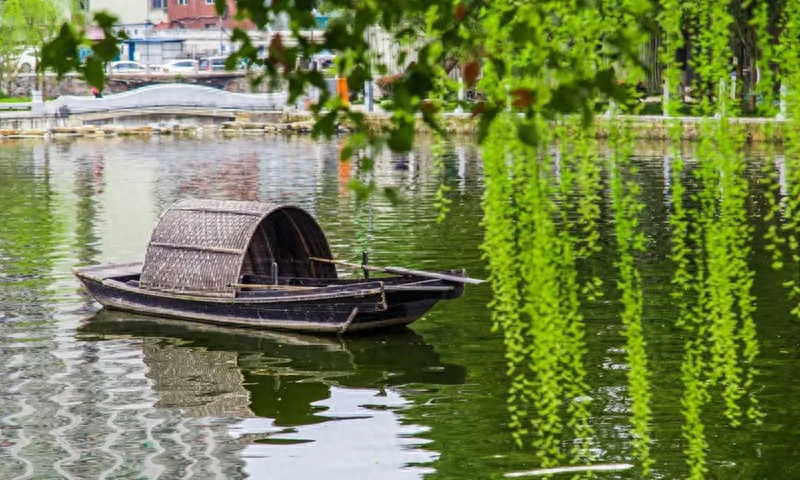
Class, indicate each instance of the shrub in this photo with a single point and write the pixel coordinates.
(387, 83)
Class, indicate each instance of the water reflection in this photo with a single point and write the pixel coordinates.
(711, 246)
(133, 406)
(128, 404)
(30, 231)
(285, 388)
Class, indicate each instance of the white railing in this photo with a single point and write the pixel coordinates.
(15, 106)
(170, 95)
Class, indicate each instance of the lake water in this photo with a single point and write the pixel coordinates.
(112, 395)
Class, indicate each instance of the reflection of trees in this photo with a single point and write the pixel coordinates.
(31, 242)
(375, 223)
(88, 184)
(30, 233)
(461, 395)
(713, 282)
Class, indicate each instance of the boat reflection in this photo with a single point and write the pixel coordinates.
(324, 395)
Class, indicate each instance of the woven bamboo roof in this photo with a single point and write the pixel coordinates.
(203, 247)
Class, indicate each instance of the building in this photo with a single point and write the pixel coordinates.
(133, 15)
(202, 15)
(152, 51)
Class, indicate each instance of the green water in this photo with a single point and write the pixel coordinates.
(113, 395)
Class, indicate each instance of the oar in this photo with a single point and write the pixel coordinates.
(402, 271)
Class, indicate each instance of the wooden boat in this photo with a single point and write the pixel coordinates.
(261, 265)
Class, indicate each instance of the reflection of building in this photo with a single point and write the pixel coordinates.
(407, 170)
(276, 170)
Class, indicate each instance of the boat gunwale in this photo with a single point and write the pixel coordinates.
(393, 283)
(339, 291)
(270, 324)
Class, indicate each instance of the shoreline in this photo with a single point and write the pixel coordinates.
(754, 130)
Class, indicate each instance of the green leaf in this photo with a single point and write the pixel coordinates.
(61, 53)
(486, 118)
(362, 190)
(527, 134)
(94, 72)
(401, 137)
(391, 194)
(325, 125)
(221, 7)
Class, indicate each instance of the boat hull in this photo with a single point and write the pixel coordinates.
(335, 309)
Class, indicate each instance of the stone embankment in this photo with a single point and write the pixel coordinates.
(74, 84)
(291, 122)
(650, 127)
(226, 128)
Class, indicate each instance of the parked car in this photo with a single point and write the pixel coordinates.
(125, 67)
(180, 66)
(212, 63)
(216, 64)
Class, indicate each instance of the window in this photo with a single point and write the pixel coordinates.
(181, 2)
(158, 4)
(209, 2)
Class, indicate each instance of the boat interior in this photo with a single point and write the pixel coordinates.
(254, 285)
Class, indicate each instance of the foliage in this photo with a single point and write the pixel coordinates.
(543, 68)
(442, 199)
(720, 346)
(710, 241)
(536, 302)
(14, 99)
(29, 24)
(386, 83)
(447, 28)
(630, 241)
(790, 228)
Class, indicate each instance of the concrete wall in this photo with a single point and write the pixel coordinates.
(386, 48)
(171, 95)
(22, 85)
(131, 12)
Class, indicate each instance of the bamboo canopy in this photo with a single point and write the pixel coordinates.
(203, 247)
